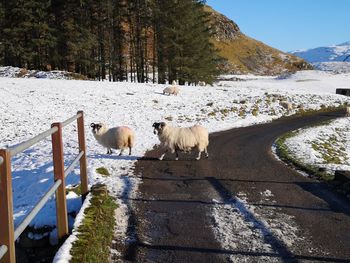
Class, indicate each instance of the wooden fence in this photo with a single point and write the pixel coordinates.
(8, 234)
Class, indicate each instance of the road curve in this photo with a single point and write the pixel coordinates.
(172, 217)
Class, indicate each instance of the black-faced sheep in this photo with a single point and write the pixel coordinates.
(114, 138)
(176, 139)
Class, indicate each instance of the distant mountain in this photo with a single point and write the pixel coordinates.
(335, 67)
(325, 54)
(247, 55)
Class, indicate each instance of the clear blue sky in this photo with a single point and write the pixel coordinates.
(290, 24)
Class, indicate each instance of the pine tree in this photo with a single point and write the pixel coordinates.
(184, 50)
(2, 21)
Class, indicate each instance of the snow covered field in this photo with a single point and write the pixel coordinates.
(335, 67)
(29, 106)
(326, 146)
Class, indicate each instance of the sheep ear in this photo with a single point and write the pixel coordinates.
(162, 124)
(92, 125)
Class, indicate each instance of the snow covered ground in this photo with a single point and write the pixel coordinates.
(246, 227)
(28, 107)
(326, 146)
(336, 67)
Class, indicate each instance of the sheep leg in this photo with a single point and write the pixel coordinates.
(121, 152)
(206, 153)
(109, 151)
(161, 157)
(129, 150)
(177, 155)
(199, 155)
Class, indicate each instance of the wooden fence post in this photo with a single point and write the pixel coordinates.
(83, 163)
(6, 208)
(58, 163)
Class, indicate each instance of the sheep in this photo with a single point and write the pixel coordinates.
(171, 90)
(114, 138)
(348, 111)
(182, 139)
(288, 106)
(202, 83)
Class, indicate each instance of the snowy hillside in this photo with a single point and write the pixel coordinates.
(335, 67)
(29, 106)
(325, 54)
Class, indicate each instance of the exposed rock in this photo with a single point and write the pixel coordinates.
(247, 55)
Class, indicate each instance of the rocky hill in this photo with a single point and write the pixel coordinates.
(247, 55)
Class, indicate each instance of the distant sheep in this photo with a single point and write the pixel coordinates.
(348, 111)
(171, 90)
(114, 138)
(287, 105)
(176, 139)
(202, 83)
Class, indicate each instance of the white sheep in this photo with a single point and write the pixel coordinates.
(348, 111)
(114, 138)
(176, 139)
(202, 83)
(287, 105)
(171, 90)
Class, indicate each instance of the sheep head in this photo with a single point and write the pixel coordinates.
(98, 128)
(158, 127)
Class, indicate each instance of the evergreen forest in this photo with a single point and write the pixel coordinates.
(116, 40)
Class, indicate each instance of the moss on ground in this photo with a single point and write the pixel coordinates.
(96, 231)
(76, 189)
(286, 156)
(102, 171)
(303, 112)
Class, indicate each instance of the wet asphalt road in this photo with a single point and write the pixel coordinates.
(171, 216)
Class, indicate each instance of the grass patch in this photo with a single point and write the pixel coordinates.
(102, 171)
(285, 155)
(255, 111)
(75, 188)
(306, 80)
(328, 150)
(96, 231)
(241, 112)
(303, 112)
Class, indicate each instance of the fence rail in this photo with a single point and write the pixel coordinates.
(8, 234)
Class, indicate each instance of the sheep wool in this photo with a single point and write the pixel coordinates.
(114, 138)
(176, 139)
(171, 90)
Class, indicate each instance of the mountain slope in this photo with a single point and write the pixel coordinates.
(247, 55)
(325, 54)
